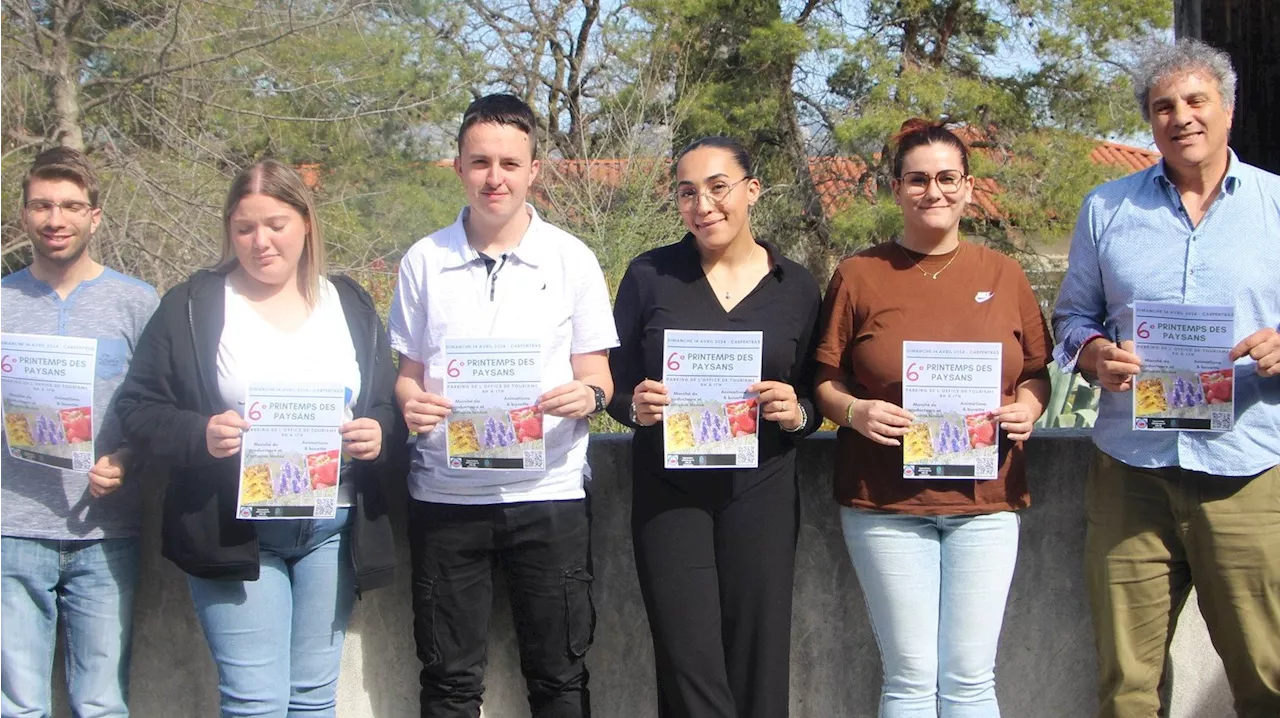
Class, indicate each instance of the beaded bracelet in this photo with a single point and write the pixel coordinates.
(804, 420)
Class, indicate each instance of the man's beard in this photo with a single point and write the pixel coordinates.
(63, 258)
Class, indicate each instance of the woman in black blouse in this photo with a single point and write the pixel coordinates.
(715, 548)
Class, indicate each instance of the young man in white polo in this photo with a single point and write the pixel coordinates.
(501, 272)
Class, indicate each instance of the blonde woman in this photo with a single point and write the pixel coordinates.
(273, 597)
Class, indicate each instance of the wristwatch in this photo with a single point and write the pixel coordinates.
(600, 402)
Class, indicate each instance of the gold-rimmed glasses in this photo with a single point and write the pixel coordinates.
(718, 191)
(917, 183)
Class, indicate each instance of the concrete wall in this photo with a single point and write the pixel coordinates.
(1046, 665)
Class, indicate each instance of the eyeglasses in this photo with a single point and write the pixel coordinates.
(41, 207)
(917, 183)
(718, 191)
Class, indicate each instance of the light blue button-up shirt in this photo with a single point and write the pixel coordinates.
(1134, 241)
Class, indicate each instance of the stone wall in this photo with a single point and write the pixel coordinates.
(1046, 662)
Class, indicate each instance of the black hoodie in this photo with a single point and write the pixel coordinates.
(169, 395)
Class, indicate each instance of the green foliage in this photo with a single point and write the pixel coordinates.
(741, 56)
(1043, 179)
(1073, 403)
(618, 218)
(863, 224)
(1031, 125)
(372, 212)
(174, 98)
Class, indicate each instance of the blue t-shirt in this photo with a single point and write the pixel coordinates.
(48, 503)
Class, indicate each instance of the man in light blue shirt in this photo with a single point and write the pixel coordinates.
(70, 538)
(1169, 509)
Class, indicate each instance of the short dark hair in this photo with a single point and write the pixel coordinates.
(917, 132)
(728, 144)
(63, 163)
(501, 109)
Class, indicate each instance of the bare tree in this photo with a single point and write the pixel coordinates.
(619, 201)
(173, 96)
(567, 58)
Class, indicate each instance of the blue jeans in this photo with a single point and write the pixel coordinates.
(90, 584)
(277, 641)
(935, 587)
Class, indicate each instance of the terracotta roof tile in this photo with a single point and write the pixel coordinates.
(1132, 158)
(839, 180)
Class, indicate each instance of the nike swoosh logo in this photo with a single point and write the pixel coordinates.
(981, 297)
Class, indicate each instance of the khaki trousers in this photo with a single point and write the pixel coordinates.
(1152, 534)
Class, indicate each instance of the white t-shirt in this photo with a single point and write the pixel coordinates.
(253, 350)
(549, 286)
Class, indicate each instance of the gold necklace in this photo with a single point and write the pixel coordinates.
(916, 263)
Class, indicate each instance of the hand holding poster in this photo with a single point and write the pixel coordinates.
(494, 385)
(290, 459)
(1187, 382)
(951, 388)
(711, 422)
(47, 392)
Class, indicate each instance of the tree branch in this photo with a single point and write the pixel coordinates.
(950, 19)
(823, 115)
(315, 120)
(15, 247)
(173, 36)
(125, 83)
(808, 9)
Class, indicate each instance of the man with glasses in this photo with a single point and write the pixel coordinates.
(1171, 509)
(70, 538)
(501, 272)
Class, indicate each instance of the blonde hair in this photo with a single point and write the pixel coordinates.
(280, 182)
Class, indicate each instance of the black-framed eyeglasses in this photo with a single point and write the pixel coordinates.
(42, 207)
(917, 183)
(718, 191)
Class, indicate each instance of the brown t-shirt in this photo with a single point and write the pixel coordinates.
(878, 299)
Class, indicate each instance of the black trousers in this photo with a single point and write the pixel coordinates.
(716, 566)
(544, 550)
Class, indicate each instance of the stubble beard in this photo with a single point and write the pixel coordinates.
(67, 257)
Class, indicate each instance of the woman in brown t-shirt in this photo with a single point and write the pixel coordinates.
(935, 556)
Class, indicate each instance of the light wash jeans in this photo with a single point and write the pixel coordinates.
(90, 584)
(935, 587)
(277, 641)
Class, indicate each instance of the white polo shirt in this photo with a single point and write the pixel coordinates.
(549, 286)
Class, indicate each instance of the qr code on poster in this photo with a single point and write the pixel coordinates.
(985, 466)
(81, 461)
(533, 459)
(746, 455)
(326, 508)
(1220, 421)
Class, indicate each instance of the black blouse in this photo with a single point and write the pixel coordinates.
(665, 288)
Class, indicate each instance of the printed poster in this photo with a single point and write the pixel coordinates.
(1187, 382)
(712, 420)
(47, 395)
(494, 385)
(951, 387)
(291, 457)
